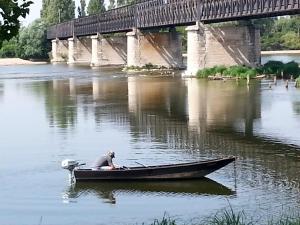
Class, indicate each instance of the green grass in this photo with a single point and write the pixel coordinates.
(166, 220)
(232, 71)
(271, 68)
(229, 217)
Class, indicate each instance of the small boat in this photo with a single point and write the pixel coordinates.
(191, 170)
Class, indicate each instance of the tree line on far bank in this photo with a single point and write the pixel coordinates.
(281, 33)
(30, 42)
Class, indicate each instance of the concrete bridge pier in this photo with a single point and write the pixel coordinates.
(160, 49)
(59, 50)
(80, 50)
(227, 45)
(132, 48)
(108, 50)
(95, 51)
(71, 51)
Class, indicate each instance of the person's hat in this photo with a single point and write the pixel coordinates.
(111, 154)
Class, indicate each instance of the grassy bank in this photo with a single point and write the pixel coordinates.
(229, 217)
(271, 68)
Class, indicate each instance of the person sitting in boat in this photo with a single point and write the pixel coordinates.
(105, 162)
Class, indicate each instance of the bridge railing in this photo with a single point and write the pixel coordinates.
(61, 30)
(119, 19)
(221, 10)
(165, 12)
(159, 13)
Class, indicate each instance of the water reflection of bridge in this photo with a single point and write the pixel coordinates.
(203, 118)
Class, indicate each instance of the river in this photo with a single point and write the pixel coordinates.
(52, 112)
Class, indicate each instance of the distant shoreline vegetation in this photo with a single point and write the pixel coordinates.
(270, 69)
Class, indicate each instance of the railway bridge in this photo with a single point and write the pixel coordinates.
(132, 35)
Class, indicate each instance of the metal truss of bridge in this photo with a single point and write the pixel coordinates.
(162, 13)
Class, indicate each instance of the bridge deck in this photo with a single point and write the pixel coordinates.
(164, 13)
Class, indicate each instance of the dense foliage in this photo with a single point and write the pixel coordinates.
(10, 12)
(9, 48)
(56, 11)
(273, 68)
(95, 6)
(31, 43)
(280, 34)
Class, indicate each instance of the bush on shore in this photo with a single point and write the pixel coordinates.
(230, 72)
(271, 68)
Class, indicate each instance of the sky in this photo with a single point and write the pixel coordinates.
(35, 11)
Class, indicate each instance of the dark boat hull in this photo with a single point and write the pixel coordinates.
(164, 172)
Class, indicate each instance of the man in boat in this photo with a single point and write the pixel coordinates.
(105, 162)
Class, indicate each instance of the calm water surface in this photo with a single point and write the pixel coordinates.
(52, 112)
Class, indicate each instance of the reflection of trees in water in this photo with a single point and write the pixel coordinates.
(60, 106)
(296, 107)
(110, 101)
(1, 90)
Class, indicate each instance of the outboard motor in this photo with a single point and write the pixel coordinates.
(70, 164)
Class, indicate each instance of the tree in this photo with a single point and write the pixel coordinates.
(281, 33)
(81, 8)
(10, 48)
(95, 6)
(56, 11)
(10, 12)
(79, 11)
(119, 3)
(83, 5)
(33, 42)
(291, 40)
(111, 4)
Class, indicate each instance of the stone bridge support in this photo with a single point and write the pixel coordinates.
(59, 50)
(80, 50)
(161, 49)
(110, 50)
(227, 45)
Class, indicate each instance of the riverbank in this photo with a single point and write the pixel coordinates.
(281, 52)
(270, 69)
(18, 61)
